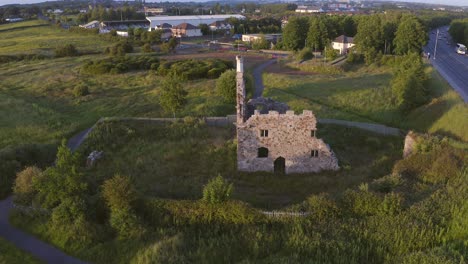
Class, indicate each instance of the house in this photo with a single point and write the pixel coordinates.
(163, 26)
(186, 30)
(166, 33)
(219, 25)
(278, 142)
(92, 24)
(343, 44)
(273, 38)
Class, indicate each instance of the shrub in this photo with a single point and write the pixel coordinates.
(120, 48)
(354, 57)
(14, 158)
(67, 50)
(388, 183)
(217, 190)
(119, 193)
(304, 54)
(147, 48)
(23, 187)
(320, 207)
(80, 90)
(121, 64)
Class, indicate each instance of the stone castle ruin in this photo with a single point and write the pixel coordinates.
(278, 141)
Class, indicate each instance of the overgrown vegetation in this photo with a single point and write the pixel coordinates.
(195, 69)
(121, 64)
(9, 254)
(413, 212)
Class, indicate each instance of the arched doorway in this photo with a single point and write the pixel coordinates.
(280, 165)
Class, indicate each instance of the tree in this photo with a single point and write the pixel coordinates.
(410, 36)
(62, 181)
(317, 36)
(295, 33)
(369, 39)
(205, 29)
(173, 96)
(261, 43)
(408, 83)
(217, 190)
(331, 53)
(226, 86)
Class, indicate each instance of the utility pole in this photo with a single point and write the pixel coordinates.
(435, 48)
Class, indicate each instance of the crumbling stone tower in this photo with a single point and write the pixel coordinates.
(240, 93)
(278, 142)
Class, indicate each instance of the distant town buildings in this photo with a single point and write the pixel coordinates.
(193, 20)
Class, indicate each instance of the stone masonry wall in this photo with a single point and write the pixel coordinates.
(289, 136)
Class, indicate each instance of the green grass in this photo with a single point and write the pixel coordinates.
(37, 102)
(9, 254)
(39, 37)
(178, 166)
(364, 94)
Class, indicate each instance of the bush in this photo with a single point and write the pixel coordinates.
(195, 69)
(119, 193)
(23, 187)
(331, 53)
(66, 51)
(14, 158)
(354, 57)
(80, 90)
(304, 54)
(120, 48)
(320, 207)
(147, 48)
(217, 190)
(121, 64)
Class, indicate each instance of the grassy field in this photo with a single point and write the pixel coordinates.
(9, 254)
(38, 105)
(38, 37)
(364, 94)
(156, 154)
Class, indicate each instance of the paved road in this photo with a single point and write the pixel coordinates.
(29, 243)
(452, 66)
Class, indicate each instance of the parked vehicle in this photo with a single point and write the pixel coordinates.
(460, 49)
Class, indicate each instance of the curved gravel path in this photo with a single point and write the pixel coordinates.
(258, 80)
(29, 243)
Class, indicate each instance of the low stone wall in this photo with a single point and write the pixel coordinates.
(230, 120)
(377, 128)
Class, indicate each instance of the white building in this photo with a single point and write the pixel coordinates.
(92, 24)
(309, 9)
(194, 20)
(343, 44)
(219, 25)
(255, 37)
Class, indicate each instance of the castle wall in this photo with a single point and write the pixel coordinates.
(289, 136)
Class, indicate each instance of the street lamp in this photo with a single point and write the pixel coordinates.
(435, 48)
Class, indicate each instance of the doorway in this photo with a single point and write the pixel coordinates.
(280, 165)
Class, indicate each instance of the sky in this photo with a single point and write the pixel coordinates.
(446, 2)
